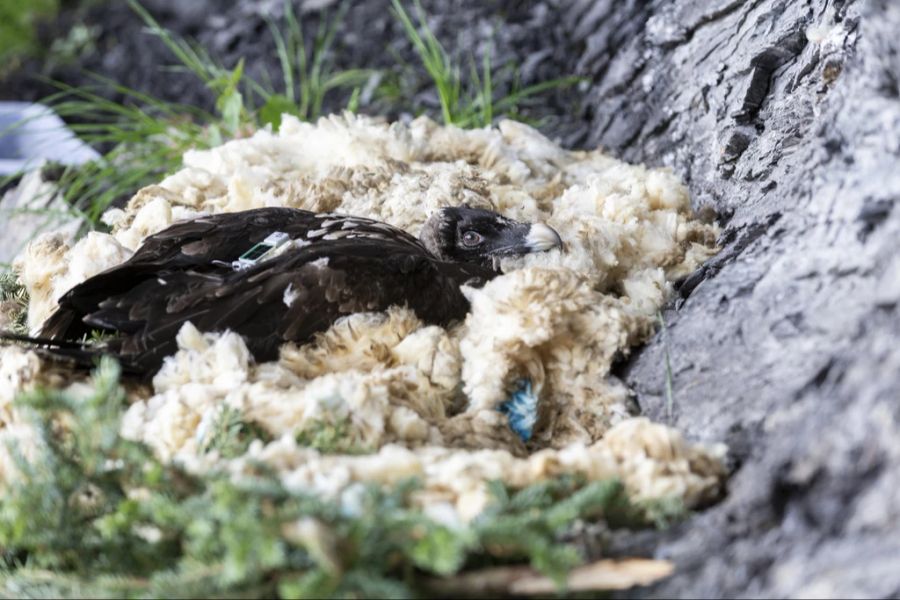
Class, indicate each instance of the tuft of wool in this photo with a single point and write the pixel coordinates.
(21, 371)
(48, 268)
(384, 377)
(652, 460)
(551, 327)
(414, 399)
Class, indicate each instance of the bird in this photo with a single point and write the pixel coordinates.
(277, 275)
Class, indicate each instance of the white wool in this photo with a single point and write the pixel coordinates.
(290, 295)
(422, 400)
(22, 370)
(39, 266)
(315, 385)
(17, 441)
(433, 353)
(219, 360)
(550, 325)
(19, 370)
(510, 318)
(49, 268)
(653, 461)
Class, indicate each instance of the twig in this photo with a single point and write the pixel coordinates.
(525, 581)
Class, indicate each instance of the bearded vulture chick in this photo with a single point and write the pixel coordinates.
(277, 275)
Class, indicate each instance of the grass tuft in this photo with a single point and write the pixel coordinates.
(670, 393)
(18, 30)
(230, 434)
(471, 103)
(308, 75)
(144, 138)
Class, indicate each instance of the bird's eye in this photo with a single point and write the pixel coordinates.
(470, 238)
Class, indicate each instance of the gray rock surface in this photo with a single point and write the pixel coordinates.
(784, 117)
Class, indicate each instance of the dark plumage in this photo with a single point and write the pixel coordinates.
(334, 265)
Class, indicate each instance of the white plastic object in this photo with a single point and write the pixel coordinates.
(31, 134)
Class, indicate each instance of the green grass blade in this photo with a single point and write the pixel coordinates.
(284, 57)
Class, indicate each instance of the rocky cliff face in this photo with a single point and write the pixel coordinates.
(783, 116)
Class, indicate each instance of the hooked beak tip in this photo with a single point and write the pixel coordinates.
(542, 237)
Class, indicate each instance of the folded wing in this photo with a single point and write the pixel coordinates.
(290, 297)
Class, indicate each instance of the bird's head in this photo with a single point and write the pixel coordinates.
(465, 234)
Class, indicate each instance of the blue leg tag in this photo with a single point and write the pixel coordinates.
(521, 408)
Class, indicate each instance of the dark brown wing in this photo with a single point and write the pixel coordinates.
(226, 236)
(204, 246)
(287, 298)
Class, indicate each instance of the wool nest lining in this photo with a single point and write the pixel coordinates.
(409, 399)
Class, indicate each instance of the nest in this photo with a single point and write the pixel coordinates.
(402, 398)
